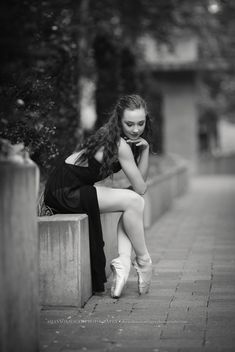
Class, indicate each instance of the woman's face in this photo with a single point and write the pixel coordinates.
(133, 123)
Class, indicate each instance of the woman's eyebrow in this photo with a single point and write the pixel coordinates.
(134, 122)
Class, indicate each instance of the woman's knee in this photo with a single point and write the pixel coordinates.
(136, 202)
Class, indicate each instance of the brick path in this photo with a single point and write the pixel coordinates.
(191, 305)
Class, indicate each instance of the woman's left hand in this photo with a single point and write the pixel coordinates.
(140, 142)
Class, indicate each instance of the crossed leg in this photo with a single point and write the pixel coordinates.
(130, 234)
(130, 227)
(124, 243)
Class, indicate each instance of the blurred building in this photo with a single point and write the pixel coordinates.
(174, 71)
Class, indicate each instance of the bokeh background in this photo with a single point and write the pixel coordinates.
(64, 63)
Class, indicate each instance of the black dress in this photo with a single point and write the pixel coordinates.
(70, 189)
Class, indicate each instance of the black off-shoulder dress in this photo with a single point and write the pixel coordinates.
(70, 189)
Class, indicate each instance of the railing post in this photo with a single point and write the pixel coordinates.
(19, 286)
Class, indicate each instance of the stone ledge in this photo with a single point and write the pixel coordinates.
(162, 190)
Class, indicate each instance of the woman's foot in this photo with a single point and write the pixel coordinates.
(120, 269)
(144, 272)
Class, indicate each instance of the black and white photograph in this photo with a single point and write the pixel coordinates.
(117, 176)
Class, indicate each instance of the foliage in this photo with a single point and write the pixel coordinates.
(39, 77)
(37, 138)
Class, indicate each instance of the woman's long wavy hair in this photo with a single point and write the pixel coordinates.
(108, 136)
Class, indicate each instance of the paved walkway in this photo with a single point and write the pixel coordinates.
(191, 305)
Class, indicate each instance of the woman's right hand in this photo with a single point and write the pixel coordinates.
(140, 142)
(129, 167)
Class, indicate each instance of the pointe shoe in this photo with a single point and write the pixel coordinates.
(120, 276)
(144, 273)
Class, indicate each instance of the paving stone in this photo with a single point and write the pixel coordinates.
(188, 334)
(180, 343)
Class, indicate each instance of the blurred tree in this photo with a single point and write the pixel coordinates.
(39, 77)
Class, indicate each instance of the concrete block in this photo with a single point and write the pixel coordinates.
(182, 180)
(160, 195)
(65, 276)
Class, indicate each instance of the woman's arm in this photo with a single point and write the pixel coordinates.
(134, 174)
(143, 162)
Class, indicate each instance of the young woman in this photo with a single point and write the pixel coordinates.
(120, 144)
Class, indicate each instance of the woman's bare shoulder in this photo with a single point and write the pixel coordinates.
(123, 148)
(99, 154)
(122, 143)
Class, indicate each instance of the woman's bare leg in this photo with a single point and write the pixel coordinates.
(132, 206)
(124, 244)
(130, 231)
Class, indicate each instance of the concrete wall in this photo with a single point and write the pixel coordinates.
(162, 191)
(19, 297)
